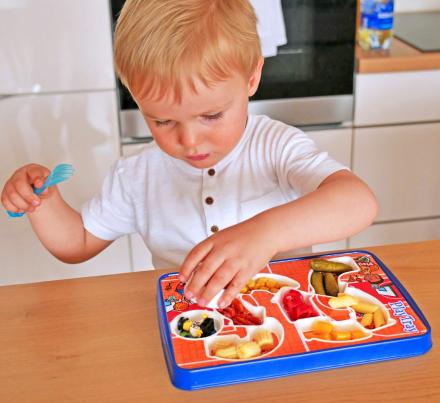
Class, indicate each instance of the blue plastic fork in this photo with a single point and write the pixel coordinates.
(60, 173)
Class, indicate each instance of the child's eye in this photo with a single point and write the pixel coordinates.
(216, 116)
(162, 122)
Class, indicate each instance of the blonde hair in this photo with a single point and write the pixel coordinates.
(169, 43)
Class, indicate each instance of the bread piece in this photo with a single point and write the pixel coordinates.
(227, 352)
(248, 350)
(264, 338)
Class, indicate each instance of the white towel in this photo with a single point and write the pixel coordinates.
(270, 26)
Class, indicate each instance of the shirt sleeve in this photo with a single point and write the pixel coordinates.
(110, 214)
(302, 163)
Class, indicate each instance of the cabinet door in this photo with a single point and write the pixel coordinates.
(393, 98)
(54, 46)
(399, 232)
(337, 142)
(76, 128)
(140, 255)
(402, 165)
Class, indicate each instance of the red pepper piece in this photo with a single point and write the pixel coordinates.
(240, 320)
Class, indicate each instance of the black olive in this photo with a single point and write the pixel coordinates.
(180, 323)
(207, 327)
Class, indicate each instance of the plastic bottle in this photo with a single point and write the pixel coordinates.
(376, 24)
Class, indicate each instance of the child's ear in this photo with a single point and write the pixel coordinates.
(255, 78)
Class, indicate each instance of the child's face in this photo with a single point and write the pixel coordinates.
(204, 127)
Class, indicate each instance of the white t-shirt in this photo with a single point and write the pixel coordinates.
(174, 206)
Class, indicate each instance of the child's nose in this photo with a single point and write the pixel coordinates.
(190, 137)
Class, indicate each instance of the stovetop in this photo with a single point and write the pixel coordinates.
(420, 30)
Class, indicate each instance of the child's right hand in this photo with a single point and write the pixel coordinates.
(18, 195)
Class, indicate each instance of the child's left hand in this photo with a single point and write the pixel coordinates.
(227, 259)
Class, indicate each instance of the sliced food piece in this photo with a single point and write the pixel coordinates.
(365, 307)
(340, 335)
(367, 319)
(357, 334)
(227, 352)
(317, 281)
(264, 338)
(329, 266)
(331, 284)
(248, 350)
(343, 302)
(321, 326)
(378, 318)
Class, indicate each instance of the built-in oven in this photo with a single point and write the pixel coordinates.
(310, 80)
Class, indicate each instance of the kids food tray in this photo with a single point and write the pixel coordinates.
(296, 315)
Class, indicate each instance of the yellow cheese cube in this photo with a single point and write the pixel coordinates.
(320, 326)
(340, 335)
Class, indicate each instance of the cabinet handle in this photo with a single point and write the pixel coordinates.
(3, 96)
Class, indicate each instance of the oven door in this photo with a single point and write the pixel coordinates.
(310, 80)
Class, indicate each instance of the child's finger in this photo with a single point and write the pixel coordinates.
(37, 174)
(223, 276)
(232, 290)
(202, 275)
(8, 205)
(194, 257)
(26, 193)
(16, 200)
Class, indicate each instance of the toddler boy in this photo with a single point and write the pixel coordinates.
(219, 193)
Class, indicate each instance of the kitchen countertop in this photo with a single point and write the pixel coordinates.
(401, 57)
(96, 339)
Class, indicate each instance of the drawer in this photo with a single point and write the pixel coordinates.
(398, 232)
(401, 164)
(388, 98)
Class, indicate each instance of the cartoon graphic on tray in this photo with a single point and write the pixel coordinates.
(291, 310)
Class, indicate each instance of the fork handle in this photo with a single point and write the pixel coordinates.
(37, 191)
(40, 190)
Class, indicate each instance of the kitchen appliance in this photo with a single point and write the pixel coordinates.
(308, 83)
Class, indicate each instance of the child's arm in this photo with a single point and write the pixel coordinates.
(58, 226)
(341, 206)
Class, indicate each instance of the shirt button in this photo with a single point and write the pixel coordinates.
(209, 200)
(211, 172)
(214, 228)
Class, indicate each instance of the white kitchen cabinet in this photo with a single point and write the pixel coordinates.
(337, 142)
(140, 255)
(54, 46)
(397, 232)
(397, 97)
(76, 128)
(402, 166)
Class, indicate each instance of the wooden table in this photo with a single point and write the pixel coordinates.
(96, 339)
